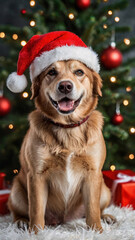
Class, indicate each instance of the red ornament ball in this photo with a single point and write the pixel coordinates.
(83, 4)
(117, 119)
(5, 106)
(23, 11)
(111, 57)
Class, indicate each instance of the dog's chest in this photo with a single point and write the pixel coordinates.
(68, 182)
(70, 175)
(73, 178)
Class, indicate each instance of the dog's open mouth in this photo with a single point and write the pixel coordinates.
(66, 105)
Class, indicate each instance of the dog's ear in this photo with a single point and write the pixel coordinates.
(35, 87)
(97, 84)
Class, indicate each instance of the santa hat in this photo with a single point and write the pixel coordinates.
(43, 50)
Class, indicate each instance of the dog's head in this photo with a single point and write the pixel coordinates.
(67, 88)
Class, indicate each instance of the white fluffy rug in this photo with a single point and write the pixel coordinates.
(124, 229)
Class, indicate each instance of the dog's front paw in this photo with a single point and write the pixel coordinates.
(95, 226)
(35, 227)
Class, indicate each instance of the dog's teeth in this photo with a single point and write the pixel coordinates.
(55, 104)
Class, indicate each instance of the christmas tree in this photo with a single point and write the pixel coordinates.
(96, 23)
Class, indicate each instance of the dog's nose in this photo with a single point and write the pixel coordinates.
(65, 87)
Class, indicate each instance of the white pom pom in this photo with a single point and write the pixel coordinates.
(16, 83)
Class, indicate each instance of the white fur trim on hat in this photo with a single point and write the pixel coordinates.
(16, 83)
(82, 54)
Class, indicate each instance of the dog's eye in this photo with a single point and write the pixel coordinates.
(52, 72)
(79, 72)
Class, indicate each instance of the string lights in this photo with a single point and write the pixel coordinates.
(32, 3)
(110, 12)
(112, 168)
(23, 43)
(131, 156)
(113, 79)
(25, 95)
(116, 19)
(15, 36)
(32, 23)
(15, 171)
(105, 26)
(11, 126)
(128, 89)
(71, 16)
(132, 130)
(126, 41)
(2, 34)
(125, 102)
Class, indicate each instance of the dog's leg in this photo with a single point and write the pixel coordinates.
(91, 195)
(104, 203)
(18, 203)
(37, 198)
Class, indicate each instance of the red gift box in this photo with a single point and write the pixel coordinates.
(122, 186)
(4, 195)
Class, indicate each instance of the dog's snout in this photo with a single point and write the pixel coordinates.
(65, 87)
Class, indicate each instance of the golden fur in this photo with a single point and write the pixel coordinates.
(60, 176)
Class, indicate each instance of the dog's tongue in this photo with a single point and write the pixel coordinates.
(66, 104)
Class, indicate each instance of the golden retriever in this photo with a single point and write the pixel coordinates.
(63, 152)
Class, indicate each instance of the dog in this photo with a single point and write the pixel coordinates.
(63, 152)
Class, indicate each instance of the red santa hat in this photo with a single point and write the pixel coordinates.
(43, 50)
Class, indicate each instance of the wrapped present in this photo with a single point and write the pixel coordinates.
(122, 185)
(4, 195)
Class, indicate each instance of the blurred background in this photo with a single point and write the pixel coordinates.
(107, 26)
